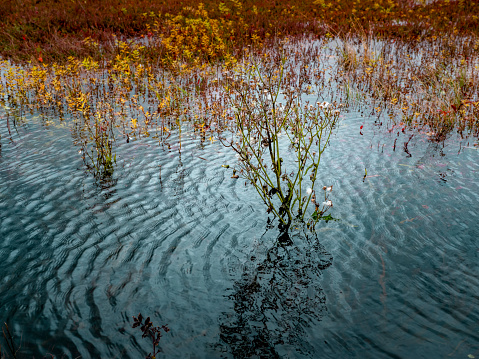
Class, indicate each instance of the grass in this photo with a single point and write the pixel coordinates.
(433, 83)
(143, 65)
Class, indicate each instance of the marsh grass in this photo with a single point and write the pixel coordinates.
(433, 84)
(54, 30)
(265, 98)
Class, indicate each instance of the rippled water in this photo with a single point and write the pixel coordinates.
(175, 238)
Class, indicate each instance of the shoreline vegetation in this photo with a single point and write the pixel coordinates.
(418, 59)
(60, 29)
(122, 70)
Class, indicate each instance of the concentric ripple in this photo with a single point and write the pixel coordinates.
(174, 237)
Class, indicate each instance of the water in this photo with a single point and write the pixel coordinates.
(174, 237)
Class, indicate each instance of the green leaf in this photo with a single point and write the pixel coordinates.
(328, 218)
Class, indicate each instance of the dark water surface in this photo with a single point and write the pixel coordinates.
(175, 238)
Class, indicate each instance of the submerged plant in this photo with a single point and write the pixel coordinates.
(149, 331)
(277, 138)
(7, 336)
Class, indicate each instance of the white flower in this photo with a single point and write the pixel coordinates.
(309, 191)
(323, 104)
(328, 189)
(328, 203)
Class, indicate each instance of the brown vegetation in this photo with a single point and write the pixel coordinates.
(54, 30)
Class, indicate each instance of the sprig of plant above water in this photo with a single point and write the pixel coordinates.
(277, 138)
(97, 141)
(149, 331)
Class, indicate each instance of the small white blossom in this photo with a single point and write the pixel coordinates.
(328, 189)
(328, 203)
(309, 191)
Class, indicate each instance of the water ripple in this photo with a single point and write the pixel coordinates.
(174, 237)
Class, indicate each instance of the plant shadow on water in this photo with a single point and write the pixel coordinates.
(278, 295)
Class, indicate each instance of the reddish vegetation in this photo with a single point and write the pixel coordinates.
(58, 27)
